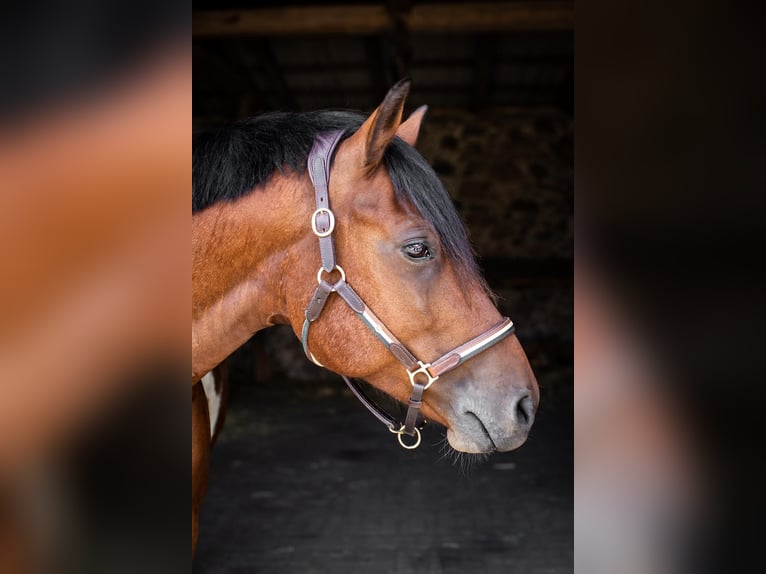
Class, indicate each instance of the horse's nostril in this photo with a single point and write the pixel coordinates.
(525, 412)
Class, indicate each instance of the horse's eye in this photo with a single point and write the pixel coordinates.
(417, 251)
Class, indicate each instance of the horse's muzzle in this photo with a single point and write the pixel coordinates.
(492, 425)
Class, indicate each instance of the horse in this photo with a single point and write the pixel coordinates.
(331, 222)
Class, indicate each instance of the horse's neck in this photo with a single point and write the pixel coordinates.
(238, 266)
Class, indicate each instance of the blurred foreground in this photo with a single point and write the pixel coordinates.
(669, 284)
(639, 482)
(94, 293)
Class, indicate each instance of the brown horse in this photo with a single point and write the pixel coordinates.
(392, 232)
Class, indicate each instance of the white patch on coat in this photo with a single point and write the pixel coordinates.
(213, 400)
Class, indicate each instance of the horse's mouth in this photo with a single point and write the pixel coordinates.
(471, 434)
(484, 430)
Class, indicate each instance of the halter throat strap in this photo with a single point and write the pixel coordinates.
(421, 375)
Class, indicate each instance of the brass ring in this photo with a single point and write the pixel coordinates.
(338, 267)
(400, 431)
(314, 222)
(413, 446)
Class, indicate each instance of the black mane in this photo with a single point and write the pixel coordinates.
(229, 162)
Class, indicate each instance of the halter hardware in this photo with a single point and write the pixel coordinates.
(400, 431)
(422, 370)
(319, 171)
(337, 267)
(315, 225)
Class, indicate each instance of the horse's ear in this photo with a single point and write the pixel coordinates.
(410, 128)
(379, 130)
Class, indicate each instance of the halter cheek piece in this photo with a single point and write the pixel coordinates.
(421, 375)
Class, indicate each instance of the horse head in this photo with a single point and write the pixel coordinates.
(401, 244)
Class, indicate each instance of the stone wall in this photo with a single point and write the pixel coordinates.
(511, 176)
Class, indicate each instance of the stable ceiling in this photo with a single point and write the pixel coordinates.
(251, 57)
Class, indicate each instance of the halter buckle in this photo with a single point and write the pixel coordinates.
(423, 368)
(400, 432)
(315, 226)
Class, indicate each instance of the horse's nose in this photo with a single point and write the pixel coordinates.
(523, 409)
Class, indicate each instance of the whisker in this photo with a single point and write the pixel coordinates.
(464, 461)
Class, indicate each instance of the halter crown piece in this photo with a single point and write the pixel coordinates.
(422, 375)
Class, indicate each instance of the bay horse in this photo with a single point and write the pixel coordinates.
(280, 196)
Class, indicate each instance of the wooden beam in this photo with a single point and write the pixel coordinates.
(270, 69)
(492, 17)
(376, 19)
(291, 20)
(376, 66)
(566, 92)
(399, 38)
(537, 60)
(210, 68)
(484, 70)
(464, 89)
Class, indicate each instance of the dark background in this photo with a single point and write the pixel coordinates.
(303, 479)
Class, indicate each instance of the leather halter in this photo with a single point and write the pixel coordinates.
(422, 375)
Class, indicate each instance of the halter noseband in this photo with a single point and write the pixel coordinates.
(421, 375)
